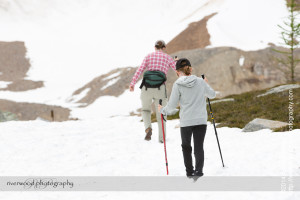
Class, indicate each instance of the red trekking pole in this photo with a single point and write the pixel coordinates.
(162, 124)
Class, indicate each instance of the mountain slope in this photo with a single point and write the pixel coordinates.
(71, 42)
(193, 37)
(14, 67)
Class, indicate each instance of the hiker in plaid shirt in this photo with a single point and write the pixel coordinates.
(156, 61)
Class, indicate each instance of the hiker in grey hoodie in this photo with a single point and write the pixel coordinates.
(190, 92)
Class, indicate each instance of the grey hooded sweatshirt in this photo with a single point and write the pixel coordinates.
(190, 92)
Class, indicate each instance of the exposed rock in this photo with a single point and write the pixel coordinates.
(31, 111)
(23, 85)
(14, 66)
(260, 69)
(258, 124)
(113, 83)
(193, 37)
(280, 89)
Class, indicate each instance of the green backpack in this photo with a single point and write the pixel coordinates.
(153, 79)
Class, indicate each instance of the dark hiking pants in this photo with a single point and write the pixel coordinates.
(198, 133)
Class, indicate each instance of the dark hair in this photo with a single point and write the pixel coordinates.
(160, 44)
(186, 70)
(182, 62)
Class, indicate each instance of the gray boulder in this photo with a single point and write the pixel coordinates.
(280, 89)
(258, 124)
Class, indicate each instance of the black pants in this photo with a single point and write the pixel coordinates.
(198, 133)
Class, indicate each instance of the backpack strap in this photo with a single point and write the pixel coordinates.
(143, 83)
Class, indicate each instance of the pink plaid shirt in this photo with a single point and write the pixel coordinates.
(155, 61)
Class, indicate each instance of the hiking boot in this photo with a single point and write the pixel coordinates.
(190, 175)
(148, 134)
(197, 175)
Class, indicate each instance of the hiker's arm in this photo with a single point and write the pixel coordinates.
(209, 92)
(138, 72)
(172, 63)
(170, 108)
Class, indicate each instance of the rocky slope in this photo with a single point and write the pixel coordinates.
(14, 66)
(30, 111)
(233, 71)
(193, 37)
(113, 83)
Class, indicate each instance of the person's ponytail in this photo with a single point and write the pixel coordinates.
(186, 70)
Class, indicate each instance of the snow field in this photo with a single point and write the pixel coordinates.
(116, 146)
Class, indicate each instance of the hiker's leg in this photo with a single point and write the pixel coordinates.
(186, 136)
(199, 135)
(146, 98)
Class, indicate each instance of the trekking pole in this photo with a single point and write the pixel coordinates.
(162, 124)
(213, 120)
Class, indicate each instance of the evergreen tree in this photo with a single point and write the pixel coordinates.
(290, 33)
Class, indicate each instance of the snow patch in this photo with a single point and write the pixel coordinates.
(79, 96)
(4, 84)
(108, 106)
(114, 75)
(111, 82)
(241, 61)
(247, 24)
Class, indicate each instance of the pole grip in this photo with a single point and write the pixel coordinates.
(160, 102)
(202, 75)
